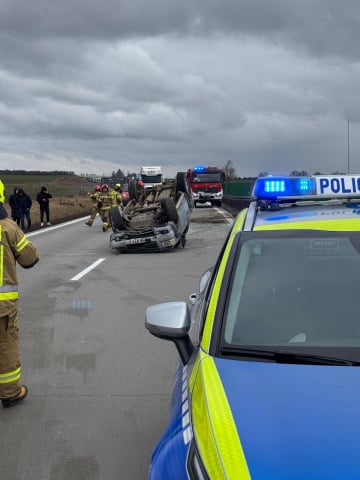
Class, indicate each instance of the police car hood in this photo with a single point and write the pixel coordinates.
(295, 421)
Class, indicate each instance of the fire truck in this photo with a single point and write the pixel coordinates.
(206, 184)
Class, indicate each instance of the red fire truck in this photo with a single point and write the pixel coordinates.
(206, 184)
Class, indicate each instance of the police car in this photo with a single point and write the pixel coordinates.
(268, 384)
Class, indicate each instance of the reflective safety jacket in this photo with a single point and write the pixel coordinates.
(116, 198)
(14, 248)
(107, 200)
(95, 198)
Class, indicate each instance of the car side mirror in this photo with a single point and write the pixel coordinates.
(171, 321)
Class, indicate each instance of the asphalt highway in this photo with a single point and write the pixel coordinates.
(99, 383)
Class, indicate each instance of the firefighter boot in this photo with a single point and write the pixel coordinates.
(89, 223)
(9, 402)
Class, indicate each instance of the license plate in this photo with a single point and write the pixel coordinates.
(137, 241)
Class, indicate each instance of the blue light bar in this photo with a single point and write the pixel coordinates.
(199, 168)
(273, 188)
(330, 186)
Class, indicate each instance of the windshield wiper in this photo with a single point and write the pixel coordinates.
(285, 356)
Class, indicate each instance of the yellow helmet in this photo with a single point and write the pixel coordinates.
(2, 192)
(118, 185)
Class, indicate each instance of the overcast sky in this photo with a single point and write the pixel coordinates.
(93, 86)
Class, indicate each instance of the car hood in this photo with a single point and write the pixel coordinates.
(295, 421)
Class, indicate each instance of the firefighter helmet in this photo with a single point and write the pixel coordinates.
(97, 188)
(2, 192)
(104, 186)
(118, 185)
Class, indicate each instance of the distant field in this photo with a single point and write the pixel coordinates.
(70, 199)
(60, 185)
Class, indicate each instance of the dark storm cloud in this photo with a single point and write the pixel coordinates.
(323, 27)
(267, 84)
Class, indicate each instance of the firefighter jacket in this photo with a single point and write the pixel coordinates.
(116, 197)
(107, 201)
(14, 248)
(95, 198)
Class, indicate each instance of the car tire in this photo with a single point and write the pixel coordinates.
(116, 220)
(170, 208)
(182, 185)
(133, 194)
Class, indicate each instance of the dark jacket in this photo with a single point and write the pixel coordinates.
(14, 203)
(24, 200)
(43, 198)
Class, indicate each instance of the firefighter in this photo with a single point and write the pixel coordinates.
(117, 196)
(107, 202)
(16, 248)
(96, 208)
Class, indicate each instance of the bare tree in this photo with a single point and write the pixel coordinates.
(299, 173)
(229, 171)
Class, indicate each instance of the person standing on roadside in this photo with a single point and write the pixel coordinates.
(43, 198)
(25, 203)
(16, 248)
(14, 205)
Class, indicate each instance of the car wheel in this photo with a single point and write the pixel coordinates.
(182, 185)
(116, 220)
(170, 208)
(132, 190)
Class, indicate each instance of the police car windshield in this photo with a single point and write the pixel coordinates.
(295, 291)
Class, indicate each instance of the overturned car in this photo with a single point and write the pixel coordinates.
(155, 219)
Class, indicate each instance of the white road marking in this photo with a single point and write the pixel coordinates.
(225, 214)
(88, 269)
(47, 228)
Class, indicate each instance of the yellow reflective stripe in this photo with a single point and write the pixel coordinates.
(205, 342)
(22, 244)
(1, 258)
(330, 225)
(214, 427)
(239, 221)
(9, 296)
(10, 376)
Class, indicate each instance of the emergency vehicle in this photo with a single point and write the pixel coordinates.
(268, 378)
(206, 184)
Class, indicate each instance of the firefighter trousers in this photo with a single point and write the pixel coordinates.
(94, 212)
(10, 362)
(104, 213)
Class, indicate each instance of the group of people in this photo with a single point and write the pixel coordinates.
(20, 204)
(103, 198)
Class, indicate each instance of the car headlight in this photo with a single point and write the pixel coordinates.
(195, 466)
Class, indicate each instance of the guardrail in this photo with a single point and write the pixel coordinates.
(235, 204)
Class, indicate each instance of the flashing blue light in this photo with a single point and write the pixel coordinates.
(284, 187)
(199, 168)
(274, 186)
(319, 186)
